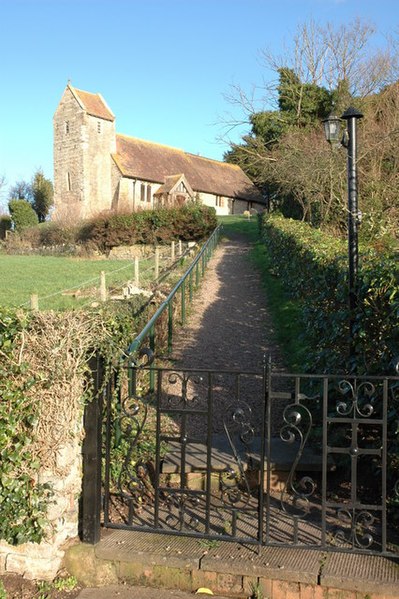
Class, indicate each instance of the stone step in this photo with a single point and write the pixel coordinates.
(228, 568)
(223, 456)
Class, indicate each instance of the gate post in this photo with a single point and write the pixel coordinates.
(92, 454)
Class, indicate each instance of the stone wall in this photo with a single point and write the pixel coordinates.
(83, 144)
(97, 184)
(133, 194)
(43, 560)
(220, 203)
(69, 137)
(130, 197)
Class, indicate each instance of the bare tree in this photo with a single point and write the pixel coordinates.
(21, 190)
(325, 56)
(3, 183)
(325, 64)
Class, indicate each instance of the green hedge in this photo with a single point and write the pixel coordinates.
(313, 268)
(22, 214)
(190, 222)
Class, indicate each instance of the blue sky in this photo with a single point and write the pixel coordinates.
(163, 66)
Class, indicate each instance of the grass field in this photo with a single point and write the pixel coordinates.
(50, 277)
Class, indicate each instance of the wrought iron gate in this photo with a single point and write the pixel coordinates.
(258, 457)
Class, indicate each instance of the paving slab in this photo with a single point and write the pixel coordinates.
(361, 573)
(155, 549)
(294, 565)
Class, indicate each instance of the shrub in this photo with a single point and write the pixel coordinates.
(313, 268)
(189, 222)
(5, 225)
(22, 214)
(55, 234)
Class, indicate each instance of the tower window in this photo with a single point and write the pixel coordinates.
(67, 127)
(98, 126)
(69, 185)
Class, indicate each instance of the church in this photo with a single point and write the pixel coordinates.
(97, 170)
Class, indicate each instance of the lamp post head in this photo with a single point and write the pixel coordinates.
(351, 113)
(332, 129)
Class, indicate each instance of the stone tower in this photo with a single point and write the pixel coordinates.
(84, 140)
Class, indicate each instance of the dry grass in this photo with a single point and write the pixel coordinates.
(56, 348)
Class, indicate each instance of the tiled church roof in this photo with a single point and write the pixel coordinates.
(94, 104)
(169, 184)
(149, 161)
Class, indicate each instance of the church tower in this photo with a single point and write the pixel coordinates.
(84, 139)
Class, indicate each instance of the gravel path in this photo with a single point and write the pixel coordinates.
(229, 325)
(228, 328)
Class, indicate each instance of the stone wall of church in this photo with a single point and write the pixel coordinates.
(220, 203)
(69, 138)
(99, 143)
(135, 194)
(83, 144)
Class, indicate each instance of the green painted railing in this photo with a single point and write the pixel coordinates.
(187, 282)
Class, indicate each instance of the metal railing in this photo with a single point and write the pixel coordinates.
(104, 387)
(188, 281)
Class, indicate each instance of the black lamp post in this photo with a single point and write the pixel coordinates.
(332, 132)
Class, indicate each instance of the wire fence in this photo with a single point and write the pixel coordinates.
(139, 275)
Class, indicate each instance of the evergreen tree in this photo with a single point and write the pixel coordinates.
(42, 195)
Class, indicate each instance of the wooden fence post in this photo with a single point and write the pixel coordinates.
(156, 263)
(34, 302)
(136, 271)
(180, 247)
(173, 251)
(103, 287)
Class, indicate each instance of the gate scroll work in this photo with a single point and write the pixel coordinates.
(258, 457)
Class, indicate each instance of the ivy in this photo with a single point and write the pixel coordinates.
(22, 499)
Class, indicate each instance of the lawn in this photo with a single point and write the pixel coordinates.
(50, 277)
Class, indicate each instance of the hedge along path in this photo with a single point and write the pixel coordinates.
(229, 326)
